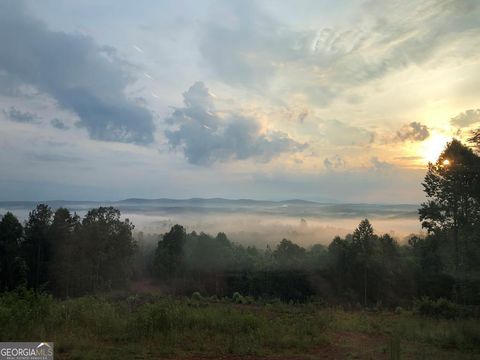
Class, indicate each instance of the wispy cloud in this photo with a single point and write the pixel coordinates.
(246, 46)
(466, 118)
(19, 116)
(339, 133)
(59, 124)
(380, 165)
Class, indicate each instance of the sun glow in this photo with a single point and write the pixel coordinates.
(432, 148)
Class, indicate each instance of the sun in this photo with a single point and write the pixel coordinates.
(431, 148)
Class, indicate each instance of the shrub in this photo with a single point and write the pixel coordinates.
(24, 313)
(197, 296)
(440, 308)
(238, 298)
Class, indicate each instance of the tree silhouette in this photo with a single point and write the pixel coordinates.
(169, 255)
(37, 250)
(363, 246)
(451, 184)
(65, 241)
(288, 254)
(12, 266)
(108, 249)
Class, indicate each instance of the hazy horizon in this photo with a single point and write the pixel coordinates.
(259, 199)
(251, 222)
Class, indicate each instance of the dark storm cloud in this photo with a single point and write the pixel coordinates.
(466, 118)
(19, 116)
(81, 76)
(414, 131)
(205, 137)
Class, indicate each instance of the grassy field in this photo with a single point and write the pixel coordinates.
(155, 327)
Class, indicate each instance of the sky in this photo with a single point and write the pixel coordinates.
(335, 101)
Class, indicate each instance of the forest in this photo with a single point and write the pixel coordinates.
(57, 258)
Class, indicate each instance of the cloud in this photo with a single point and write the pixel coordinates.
(338, 133)
(466, 118)
(414, 157)
(245, 45)
(335, 162)
(59, 124)
(206, 136)
(235, 48)
(414, 131)
(19, 116)
(379, 165)
(82, 77)
(50, 157)
(302, 116)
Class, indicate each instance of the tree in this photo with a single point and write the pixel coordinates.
(107, 248)
(288, 254)
(204, 253)
(341, 265)
(12, 266)
(169, 256)
(363, 247)
(36, 247)
(317, 256)
(389, 264)
(452, 207)
(64, 241)
(475, 139)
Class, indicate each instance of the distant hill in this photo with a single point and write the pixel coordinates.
(292, 207)
(214, 201)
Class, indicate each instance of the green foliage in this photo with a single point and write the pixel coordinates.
(238, 298)
(196, 296)
(440, 308)
(394, 348)
(37, 246)
(25, 314)
(99, 328)
(289, 255)
(65, 267)
(452, 209)
(169, 254)
(108, 248)
(58, 253)
(12, 265)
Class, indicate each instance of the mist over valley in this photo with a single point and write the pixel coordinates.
(249, 222)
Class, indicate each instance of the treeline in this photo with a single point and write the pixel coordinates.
(361, 269)
(65, 255)
(68, 256)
